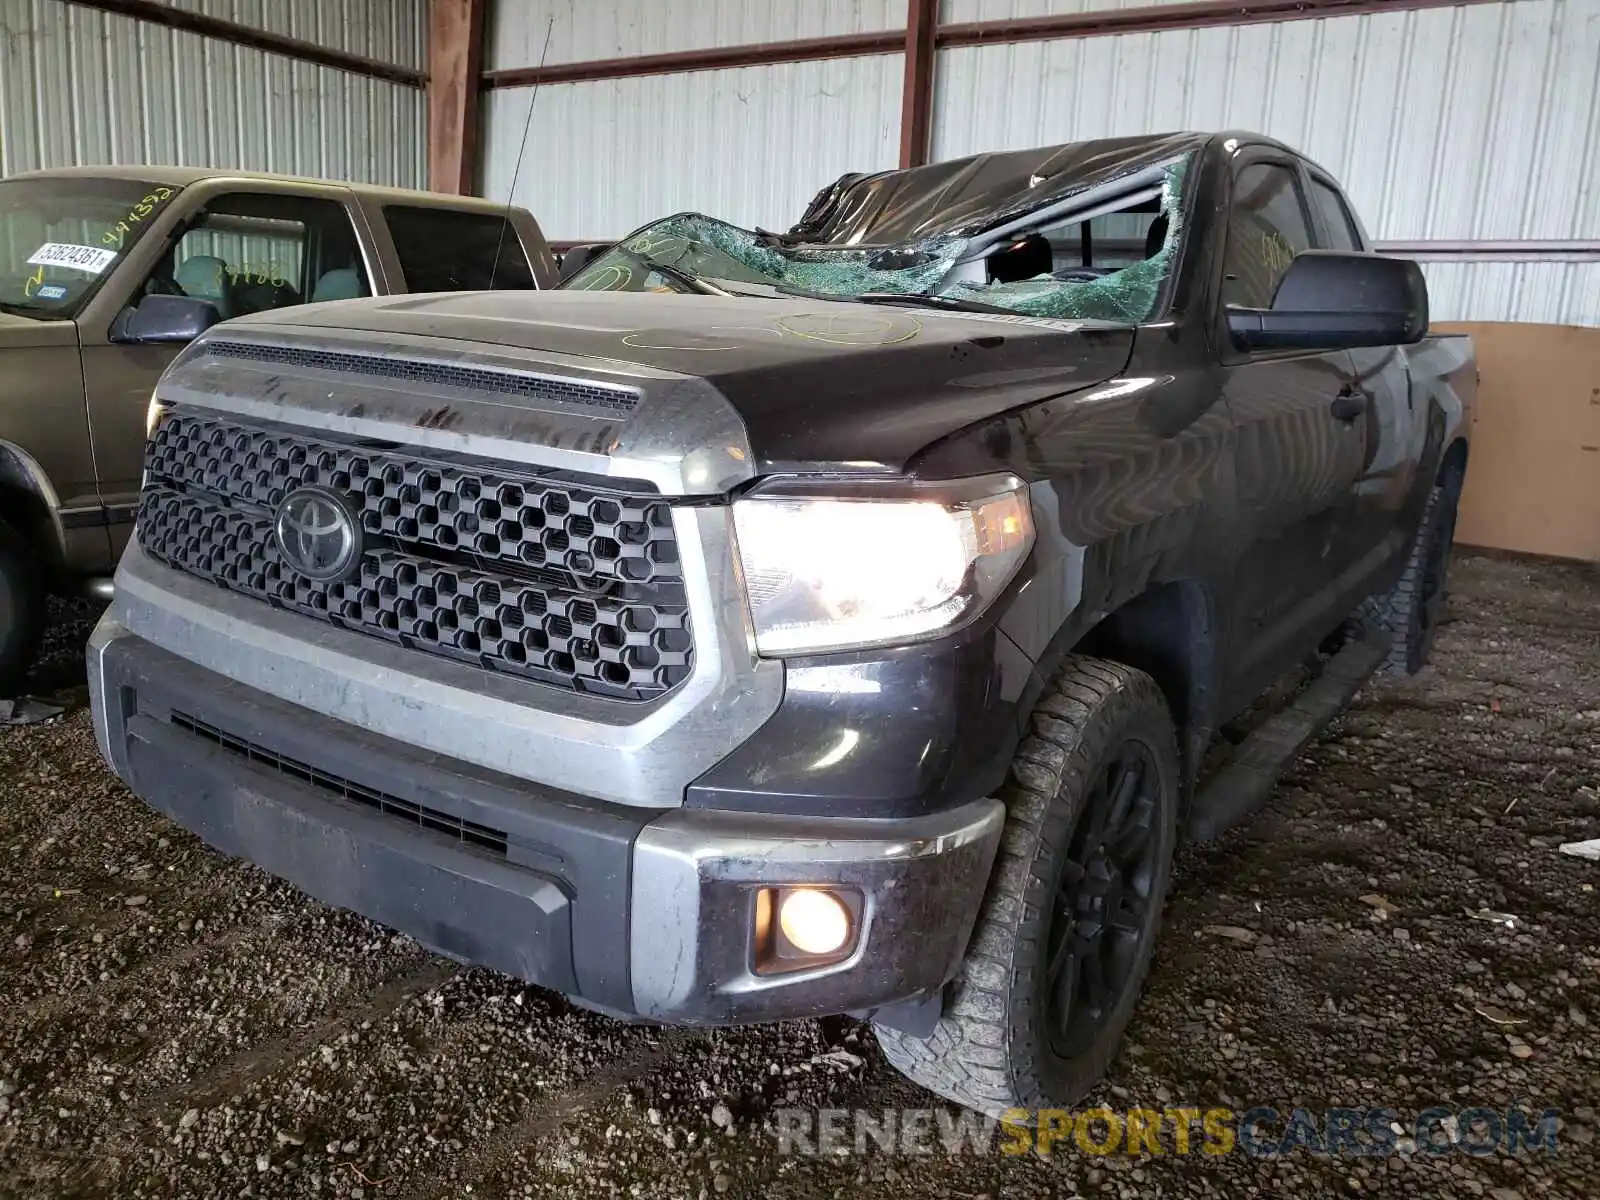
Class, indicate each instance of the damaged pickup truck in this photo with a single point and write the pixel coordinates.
(781, 625)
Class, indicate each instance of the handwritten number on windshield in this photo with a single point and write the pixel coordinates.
(141, 209)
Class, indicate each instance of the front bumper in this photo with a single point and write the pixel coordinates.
(635, 911)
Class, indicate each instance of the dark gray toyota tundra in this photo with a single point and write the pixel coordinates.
(773, 625)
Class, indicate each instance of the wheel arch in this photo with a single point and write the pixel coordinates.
(1169, 632)
(28, 501)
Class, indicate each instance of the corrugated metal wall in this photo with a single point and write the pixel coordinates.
(1449, 124)
(750, 145)
(956, 12)
(1553, 293)
(584, 30)
(79, 86)
(391, 31)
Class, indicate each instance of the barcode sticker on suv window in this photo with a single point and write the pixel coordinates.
(89, 259)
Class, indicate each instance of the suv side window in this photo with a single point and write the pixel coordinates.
(1267, 227)
(445, 251)
(1339, 228)
(249, 252)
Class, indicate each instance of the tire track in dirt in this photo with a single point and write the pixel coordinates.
(208, 1001)
(44, 829)
(143, 1132)
(523, 1041)
(49, 1009)
(479, 1163)
(264, 1008)
(252, 1065)
(202, 900)
(111, 1151)
(58, 864)
(396, 1065)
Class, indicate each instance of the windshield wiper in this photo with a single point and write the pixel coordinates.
(911, 299)
(924, 300)
(677, 274)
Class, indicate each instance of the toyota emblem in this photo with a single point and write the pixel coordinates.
(319, 534)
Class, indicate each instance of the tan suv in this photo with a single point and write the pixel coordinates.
(107, 272)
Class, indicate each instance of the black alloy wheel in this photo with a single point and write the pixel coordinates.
(1103, 914)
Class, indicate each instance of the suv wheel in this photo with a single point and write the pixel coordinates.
(1411, 610)
(22, 610)
(1063, 942)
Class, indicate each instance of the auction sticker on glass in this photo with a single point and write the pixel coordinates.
(89, 259)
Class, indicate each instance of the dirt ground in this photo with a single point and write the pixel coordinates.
(173, 1023)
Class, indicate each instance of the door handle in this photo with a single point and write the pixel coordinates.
(1348, 405)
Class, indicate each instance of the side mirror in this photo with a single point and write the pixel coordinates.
(580, 256)
(170, 319)
(1337, 300)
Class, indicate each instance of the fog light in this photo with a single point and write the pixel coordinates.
(814, 922)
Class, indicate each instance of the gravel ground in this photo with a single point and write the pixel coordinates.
(177, 1024)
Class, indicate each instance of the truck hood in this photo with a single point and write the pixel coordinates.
(815, 384)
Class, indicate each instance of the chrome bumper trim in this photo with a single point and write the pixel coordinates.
(695, 873)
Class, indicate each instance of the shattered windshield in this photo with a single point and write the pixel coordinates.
(1104, 255)
(59, 238)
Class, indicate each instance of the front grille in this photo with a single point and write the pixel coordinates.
(477, 379)
(468, 833)
(542, 576)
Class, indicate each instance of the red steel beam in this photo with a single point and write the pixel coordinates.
(1156, 18)
(916, 100)
(1153, 18)
(850, 45)
(455, 60)
(256, 39)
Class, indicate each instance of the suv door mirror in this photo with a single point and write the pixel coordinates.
(165, 319)
(1337, 300)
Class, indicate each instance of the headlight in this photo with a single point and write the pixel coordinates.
(831, 573)
(152, 415)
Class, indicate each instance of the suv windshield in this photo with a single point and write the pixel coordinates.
(59, 238)
(1107, 255)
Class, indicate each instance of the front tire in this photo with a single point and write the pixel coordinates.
(1064, 940)
(22, 610)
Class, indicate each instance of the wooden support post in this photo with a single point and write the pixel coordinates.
(455, 60)
(916, 102)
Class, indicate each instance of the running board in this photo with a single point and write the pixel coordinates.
(1244, 784)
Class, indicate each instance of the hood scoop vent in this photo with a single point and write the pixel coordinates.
(438, 374)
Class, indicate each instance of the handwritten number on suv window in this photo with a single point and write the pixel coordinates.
(142, 208)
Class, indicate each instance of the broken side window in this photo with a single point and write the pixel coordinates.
(1110, 264)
